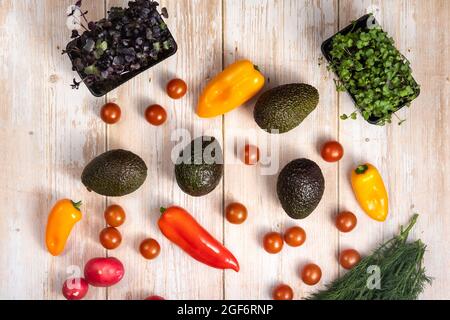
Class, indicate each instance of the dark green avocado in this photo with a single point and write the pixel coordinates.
(199, 167)
(115, 173)
(300, 188)
(283, 108)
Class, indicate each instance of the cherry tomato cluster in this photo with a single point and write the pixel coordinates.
(345, 222)
(333, 151)
(310, 275)
(110, 237)
(154, 114)
(273, 242)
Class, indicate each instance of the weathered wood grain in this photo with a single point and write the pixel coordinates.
(413, 157)
(427, 136)
(284, 42)
(363, 143)
(198, 30)
(47, 133)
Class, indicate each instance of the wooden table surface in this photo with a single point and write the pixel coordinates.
(48, 133)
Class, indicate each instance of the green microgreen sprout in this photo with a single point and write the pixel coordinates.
(374, 72)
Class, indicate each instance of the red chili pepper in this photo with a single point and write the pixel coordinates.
(183, 230)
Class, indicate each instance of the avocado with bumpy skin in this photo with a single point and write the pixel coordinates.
(115, 173)
(300, 188)
(199, 167)
(284, 108)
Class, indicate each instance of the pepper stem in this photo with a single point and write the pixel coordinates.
(256, 67)
(362, 169)
(162, 209)
(77, 205)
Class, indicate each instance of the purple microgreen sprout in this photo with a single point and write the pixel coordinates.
(125, 42)
(164, 13)
(76, 84)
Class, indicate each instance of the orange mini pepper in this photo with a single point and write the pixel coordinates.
(64, 215)
(230, 89)
(370, 191)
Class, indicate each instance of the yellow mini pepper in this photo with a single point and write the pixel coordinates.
(370, 191)
(230, 89)
(64, 215)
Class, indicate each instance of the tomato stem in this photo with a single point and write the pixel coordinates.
(162, 209)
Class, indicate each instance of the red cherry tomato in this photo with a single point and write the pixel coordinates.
(110, 238)
(75, 289)
(177, 88)
(273, 242)
(251, 155)
(149, 249)
(311, 274)
(332, 151)
(110, 113)
(115, 215)
(156, 115)
(349, 258)
(346, 221)
(283, 292)
(155, 298)
(236, 213)
(295, 236)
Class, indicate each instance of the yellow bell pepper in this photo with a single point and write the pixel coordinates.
(64, 215)
(370, 191)
(230, 89)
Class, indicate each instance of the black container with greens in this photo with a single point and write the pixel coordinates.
(375, 74)
(126, 43)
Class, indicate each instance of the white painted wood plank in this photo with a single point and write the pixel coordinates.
(413, 158)
(197, 28)
(47, 133)
(283, 38)
(50, 132)
(363, 143)
(427, 137)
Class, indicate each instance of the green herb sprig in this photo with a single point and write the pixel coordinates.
(374, 72)
(402, 275)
